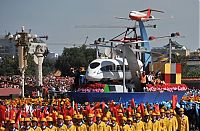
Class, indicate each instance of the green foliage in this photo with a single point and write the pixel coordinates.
(48, 66)
(9, 66)
(31, 68)
(74, 57)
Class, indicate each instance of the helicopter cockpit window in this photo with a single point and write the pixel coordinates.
(94, 65)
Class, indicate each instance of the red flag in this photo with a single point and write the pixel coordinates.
(142, 109)
(174, 101)
(96, 106)
(156, 108)
(103, 105)
(12, 114)
(71, 111)
(2, 113)
(18, 114)
(132, 103)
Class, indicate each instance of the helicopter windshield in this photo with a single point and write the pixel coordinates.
(94, 65)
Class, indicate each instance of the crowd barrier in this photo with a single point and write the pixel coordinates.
(139, 97)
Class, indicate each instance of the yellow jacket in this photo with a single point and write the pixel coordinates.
(30, 129)
(107, 128)
(37, 128)
(169, 125)
(175, 123)
(101, 126)
(2, 129)
(183, 124)
(139, 126)
(53, 128)
(81, 127)
(163, 124)
(115, 128)
(62, 128)
(131, 128)
(148, 125)
(92, 127)
(46, 129)
(71, 128)
(125, 128)
(156, 126)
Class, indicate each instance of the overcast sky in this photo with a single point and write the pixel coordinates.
(58, 18)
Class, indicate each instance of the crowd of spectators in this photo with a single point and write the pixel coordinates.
(49, 82)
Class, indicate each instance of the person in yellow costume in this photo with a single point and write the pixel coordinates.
(60, 124)
(21, 124)
(174, 120)
(91, 126)
(69, 124)
(12, 126)
(163, 120)
(100, 124)
(107, 123)
(183, 123)
(139, 125)
(43, 124)
(169, 125)
(158, 119)
(147, 122)
(114, 125)
(155, 122)
(123, 125)
(130, 123)
(80, 126)
(2, 128)
(35, 124)
(50, 124)
(27, 123)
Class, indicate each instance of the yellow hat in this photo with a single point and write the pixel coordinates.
(79, 116)
(162, 111)
(27, 119)
(124, 118)
(49, 119)
(113, 119)
(171, 111)
(98, 115)
(68, 118)
(130, 119)
(75, 116)
(60, 117)
(138, 115)
(7, 119)
(105, 119)
(158, 113)
(146, 113)
(43, 120)
(153, 114)
(90, 115)
(120, 110)
(35, 119)
(120, 114)
(167, 112)
(12, 121)
(181, 110)
(21, 119)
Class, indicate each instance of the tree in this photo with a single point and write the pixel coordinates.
(9, 66)
(74, 57)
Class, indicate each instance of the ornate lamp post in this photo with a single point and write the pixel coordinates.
(22, 38)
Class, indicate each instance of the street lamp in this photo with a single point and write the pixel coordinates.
(22, 38)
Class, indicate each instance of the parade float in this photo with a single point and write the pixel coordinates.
(128, 55)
